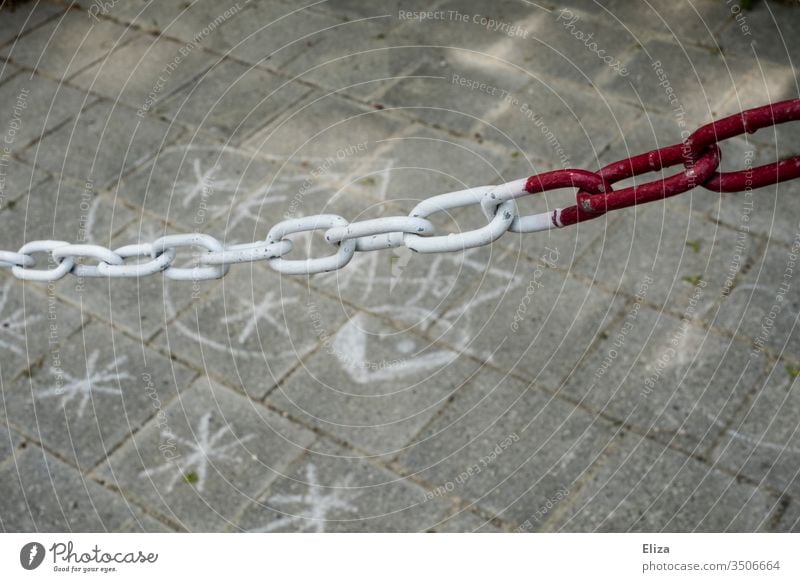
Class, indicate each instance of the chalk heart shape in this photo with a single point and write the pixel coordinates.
(350, 348)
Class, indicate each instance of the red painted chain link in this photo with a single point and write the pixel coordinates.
(699, 154)
(748, 121)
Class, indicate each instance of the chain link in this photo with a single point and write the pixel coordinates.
(78, 251)
(333, 262)
(158, 262)
(498, 225)
(28, 273)
(11, 259)
(699, 154)
(197, 273)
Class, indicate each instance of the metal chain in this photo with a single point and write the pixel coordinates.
(698, 154)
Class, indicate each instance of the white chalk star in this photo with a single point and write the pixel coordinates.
(95, 381)
(201, 452)
(251, 314)
(315, 504)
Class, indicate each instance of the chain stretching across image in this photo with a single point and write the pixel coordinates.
(698, 154)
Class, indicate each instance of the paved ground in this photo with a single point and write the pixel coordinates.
(638, 372)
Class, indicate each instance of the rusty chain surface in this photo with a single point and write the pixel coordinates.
(699, 155)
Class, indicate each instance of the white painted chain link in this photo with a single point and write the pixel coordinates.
(414, 231)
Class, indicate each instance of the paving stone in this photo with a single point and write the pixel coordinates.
(372, 384)
(675, 249)
(653, 131)
(695, 23)
(763, 442)
(532, 39)
(143, 523)
(459, 25)
(47, 495)
(561, 126)
(506, 446)
(231, 101)
(665, 76)
(643, 486)
(329, 489)
(8, 442)
(275, 33)
(63, 46)
(566, 48)
(529, 319)
(764, 82)
(359, 57)
(466, 522)
(354, 9)
(420, 163)
(674, 381)
(201, 23)
(322, 125)
(24, 18)
(35, 106)
(251, 330)
(455, 87)
(101, 389)
(62, 211)
(766, 31)
(207, 458)
(145, 71)
(764, 211)
(16, 178)
(32, 324)
(787, 517)
(104, 143)
(191, 184)
(7, 71)
(140, 307)
(763, 307)
(439, 90)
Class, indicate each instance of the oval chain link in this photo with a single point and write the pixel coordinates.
(79, 251)
(197, 273)
(498, 225)
(159, 262)
(42, 246)
(333, 262)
